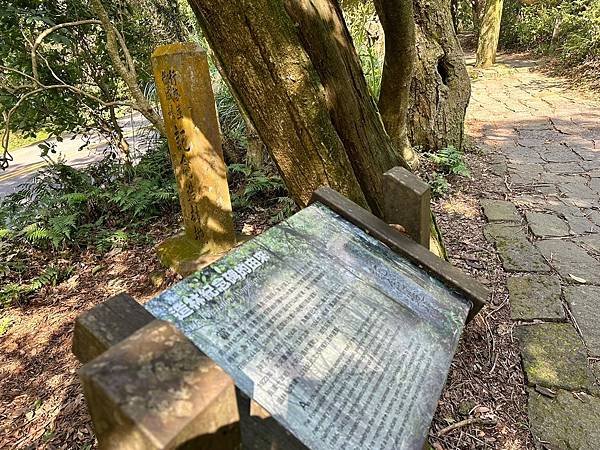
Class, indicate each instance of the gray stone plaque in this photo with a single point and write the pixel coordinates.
(343, 341)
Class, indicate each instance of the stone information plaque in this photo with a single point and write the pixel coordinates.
(343, 341)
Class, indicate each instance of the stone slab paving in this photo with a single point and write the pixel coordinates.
(584, 303)
(500, 211)
(567, 421)
(535, 297)
(516, 252)
(543, 141)
(554, 357)
(546, 225)
(570, 261)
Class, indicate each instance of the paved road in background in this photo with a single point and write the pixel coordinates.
(27, 160)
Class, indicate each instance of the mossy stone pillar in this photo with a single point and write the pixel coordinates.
(184, 88)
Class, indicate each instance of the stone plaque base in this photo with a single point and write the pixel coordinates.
(185, 255)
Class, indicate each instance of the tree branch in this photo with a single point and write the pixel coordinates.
(128, 76)
(51, 30)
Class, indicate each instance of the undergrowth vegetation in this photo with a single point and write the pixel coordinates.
(568, 30)
(100, 205)
(440, 167)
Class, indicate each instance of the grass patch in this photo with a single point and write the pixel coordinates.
(18, 140)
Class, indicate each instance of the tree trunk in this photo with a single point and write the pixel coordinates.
(441, 87)
(324, 35)
(454, 9)
(397, 20)
(294, 68)
(258, 49)
(489, 34)
(477, 6)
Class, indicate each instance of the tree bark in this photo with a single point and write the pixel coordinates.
(326, 39)
(441, 88)
(489, 34)
(126, 70)
(257, 47)
(397, 20)
(477, 6)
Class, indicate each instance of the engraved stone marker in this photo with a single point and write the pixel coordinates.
(184, 88)
(344, 342)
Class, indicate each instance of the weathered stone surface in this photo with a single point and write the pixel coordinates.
(559, 154)
(498, 165)
(593, 215)
(570, 167)
(183, 86)
(578, 194)
(522, 155)
(580, 222)
(107, 324)
(554, 356)
(543, 225)
(566, 421)
(516, 252)
(594, 183)
(525, 173)
(500, 211)
(590, 242)
(156, 390)
(584, 303)
(185, 255)
(570, 259)
(581, 225)
(535, 297)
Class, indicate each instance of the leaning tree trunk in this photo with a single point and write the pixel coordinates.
(441, 87)
(324, 35)
(294, 69)
(397, 20)
(489, 34)
(273, 78)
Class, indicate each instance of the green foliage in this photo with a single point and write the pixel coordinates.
(76, 56)
(259, 189)
(444, 164)
(451, 161)
(367, 35)
(255, 184)
(439, 185)
(566, 29)
(50, 276)
(66, 206)
(16, 140)
(5, 324)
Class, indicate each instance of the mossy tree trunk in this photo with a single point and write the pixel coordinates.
(295, 71)
(489, 34)
(327, 41)
(441, 88)
(271, 75)
(397, 20)
(477, 7)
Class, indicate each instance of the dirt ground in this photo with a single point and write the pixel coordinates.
(41, 404)
(484, 402)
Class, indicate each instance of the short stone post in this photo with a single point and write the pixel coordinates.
(156, 390)
(188, 104)
(407, 203)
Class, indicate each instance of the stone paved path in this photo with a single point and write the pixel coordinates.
(542, 141)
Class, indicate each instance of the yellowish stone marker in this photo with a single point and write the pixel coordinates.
(188, 104)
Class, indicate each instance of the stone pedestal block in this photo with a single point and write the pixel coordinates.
(106, 325)
(188, 105)
(407, 203)
(156, 390)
